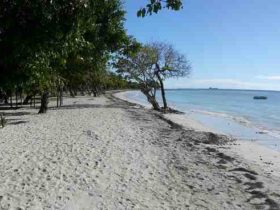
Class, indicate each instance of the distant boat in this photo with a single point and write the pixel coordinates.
(260, 97)
(211, 88)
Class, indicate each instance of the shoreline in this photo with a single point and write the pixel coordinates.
(177, 118)
(248, 129)
(221, 123)
(252, 151)
(107, 153)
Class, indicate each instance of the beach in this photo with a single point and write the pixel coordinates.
(253, 150)
(106, 153)
(231, 112)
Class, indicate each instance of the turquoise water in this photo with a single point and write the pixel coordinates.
(233, 112)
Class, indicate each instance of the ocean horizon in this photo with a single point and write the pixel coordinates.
(215, 88)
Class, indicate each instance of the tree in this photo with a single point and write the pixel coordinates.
(33, 34)
(150, 66)
(154, 6)
(168, 63)
(137, 66)
(38, 39)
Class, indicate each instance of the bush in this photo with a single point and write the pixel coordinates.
(3, 121)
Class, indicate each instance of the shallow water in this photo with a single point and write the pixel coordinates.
(233, 112)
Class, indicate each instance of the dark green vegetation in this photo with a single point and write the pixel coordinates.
(49, 45)
(150, 66)
(53, 46)
(154, 6)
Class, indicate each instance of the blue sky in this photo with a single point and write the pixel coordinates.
(230, 44)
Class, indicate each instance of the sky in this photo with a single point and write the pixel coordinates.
(230, 44)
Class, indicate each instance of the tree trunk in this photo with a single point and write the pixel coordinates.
(151, 99)
(44, 102)
(11, 100)
(16, 98)
(27, 99)
(6, 99)
(94, 91)
(162, 91)
(60, 96)
(57, 98)
(21, 98)
(72, 94)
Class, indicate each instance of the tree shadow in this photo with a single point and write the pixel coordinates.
(16, 114)
(17, 122)
(78, 106)
(8, 108)
(87, 106)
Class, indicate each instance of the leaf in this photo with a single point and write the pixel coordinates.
(139, 13)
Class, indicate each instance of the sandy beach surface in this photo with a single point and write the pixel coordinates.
(105, 153)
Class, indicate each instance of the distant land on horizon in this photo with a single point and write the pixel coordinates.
(222, 89)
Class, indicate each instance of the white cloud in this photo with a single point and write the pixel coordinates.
(275, 77)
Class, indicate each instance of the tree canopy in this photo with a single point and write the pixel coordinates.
(44, 44)
(53, 44)
(150, 66)
(154, 6)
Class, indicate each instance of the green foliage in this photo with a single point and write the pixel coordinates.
(114, 81)
(45, 44)
(33, 33)
(154, 6)
(137, 67)
(151, 65)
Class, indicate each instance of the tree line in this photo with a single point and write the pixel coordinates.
(51, 46)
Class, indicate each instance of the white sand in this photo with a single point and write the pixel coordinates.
(105, 154)
(188, 122)
(267, 159)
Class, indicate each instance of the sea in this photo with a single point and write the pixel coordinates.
(231, 112)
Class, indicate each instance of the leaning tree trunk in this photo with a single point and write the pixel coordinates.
(154, 103)
(27, 99)
(44, 102)
(152, 100)
(72, 92)
(162, 91)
